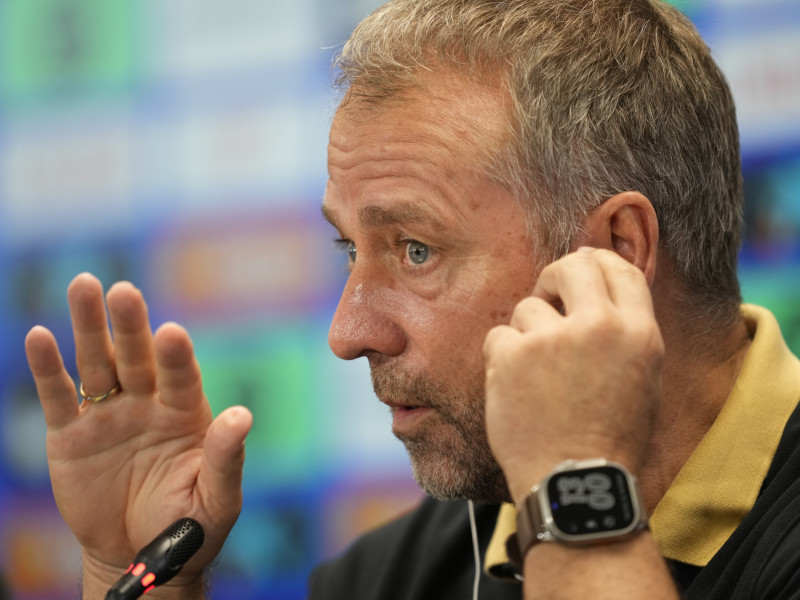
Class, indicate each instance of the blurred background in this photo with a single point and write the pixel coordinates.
(181, 145)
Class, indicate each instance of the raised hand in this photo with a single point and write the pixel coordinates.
(125, 467)
(582, 384)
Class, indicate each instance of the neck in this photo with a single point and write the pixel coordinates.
(697, 380)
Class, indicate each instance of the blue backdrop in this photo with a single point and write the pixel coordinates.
(181, 145)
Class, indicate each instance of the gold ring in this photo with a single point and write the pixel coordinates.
(117, 388)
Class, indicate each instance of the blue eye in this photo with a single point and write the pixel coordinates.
(417, 252)
(351, 250)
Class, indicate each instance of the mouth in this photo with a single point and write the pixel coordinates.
(405, 408)
(400, 407)
(407, 418)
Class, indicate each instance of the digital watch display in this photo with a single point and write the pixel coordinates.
(579, 502)
(590, 502)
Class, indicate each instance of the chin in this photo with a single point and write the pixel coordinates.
(446, 478)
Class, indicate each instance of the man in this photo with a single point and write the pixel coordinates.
(477, 142)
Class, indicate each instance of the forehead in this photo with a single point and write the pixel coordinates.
(434, 140)
(451, 110)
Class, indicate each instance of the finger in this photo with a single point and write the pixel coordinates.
(178, 374)
(499, 337)
(626, 283)
(221, 473)
(133, 339)
(94, 350)
(53, 384)
(533, 313)
(576, 280)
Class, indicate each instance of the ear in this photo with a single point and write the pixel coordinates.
(625, 223)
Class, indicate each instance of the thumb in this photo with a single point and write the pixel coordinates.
(221, 473)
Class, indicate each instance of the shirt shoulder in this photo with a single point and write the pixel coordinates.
(761, 559)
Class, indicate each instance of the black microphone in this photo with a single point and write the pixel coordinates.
(160, 560)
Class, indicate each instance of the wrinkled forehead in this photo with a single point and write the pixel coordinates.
(455, 108)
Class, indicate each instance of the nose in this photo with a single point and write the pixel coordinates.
(364, 321)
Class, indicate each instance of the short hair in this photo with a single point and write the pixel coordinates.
(608, 96)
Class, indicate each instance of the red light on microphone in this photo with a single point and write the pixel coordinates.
(160, 560)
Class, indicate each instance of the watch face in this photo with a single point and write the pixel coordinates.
(591, 502)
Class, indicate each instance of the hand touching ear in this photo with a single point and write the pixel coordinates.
(583, 384)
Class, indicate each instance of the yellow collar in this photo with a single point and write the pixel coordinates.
(719, 483)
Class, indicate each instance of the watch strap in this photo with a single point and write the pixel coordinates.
(529, 526)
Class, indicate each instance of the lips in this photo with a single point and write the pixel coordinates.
(406, 418)
(402, 407)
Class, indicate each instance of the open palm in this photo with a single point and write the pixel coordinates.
(124, 468)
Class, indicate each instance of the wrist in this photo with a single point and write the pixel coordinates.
(191, 590)
(579, 502)
(99, 577)
(633, 568)
(522, 475)
(95, 589)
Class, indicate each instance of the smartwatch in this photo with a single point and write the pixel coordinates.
(581, 502)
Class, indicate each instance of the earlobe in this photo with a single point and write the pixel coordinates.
(627, 224)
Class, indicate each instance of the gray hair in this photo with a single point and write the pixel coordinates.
(608, 96)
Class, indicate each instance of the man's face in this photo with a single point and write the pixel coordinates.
(438, 255)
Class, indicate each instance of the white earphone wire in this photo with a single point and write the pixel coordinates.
(475, 549)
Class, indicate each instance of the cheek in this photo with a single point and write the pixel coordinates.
(498, 286)
(503, 307)
(500, 317)
(455, 321)
(419, 317)
(453, 334)
(493, 303)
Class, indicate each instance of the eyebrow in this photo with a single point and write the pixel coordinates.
(372, 216)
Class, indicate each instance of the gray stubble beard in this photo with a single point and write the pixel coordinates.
(450, 457)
